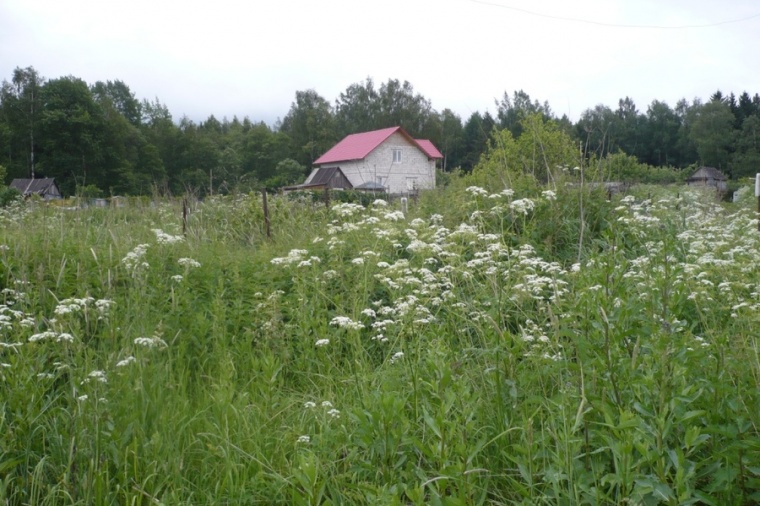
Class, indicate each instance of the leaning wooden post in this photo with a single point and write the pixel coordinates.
(326, 197)
(757, 194)
(266, 212)
(184, 216)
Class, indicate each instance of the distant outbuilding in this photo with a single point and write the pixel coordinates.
(708, 176)
(321, 178)
(44, 187)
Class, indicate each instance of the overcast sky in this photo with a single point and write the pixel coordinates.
(248, 58)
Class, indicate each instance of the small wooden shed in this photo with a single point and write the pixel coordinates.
(708, 176)
(324, 177)
(44, 187)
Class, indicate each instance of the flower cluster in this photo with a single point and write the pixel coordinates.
(151, 342)
(49, 335)
(188, 263)
(346, 323)
(164, 238)
(134, 259)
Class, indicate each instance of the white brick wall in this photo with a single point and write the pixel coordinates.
(415, 168)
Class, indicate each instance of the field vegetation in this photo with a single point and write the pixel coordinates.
(500, 342)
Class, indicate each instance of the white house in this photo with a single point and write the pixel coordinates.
(389, 159)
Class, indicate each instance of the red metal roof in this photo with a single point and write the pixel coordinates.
(358, 146)
(429, 148)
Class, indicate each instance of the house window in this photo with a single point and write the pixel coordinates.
(411, 183)
(380, 180)
(397, 155)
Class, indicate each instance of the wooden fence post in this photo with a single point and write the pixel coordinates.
(184, 216)
(327, 197)
(266, 213)
(757, 194)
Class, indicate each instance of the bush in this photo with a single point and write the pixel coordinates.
(8, 195)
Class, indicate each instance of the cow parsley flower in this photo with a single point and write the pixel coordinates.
(322, 342)
(96, 375)
(304, 439)
(476, 190)
(346, 323)
(523, 206)
(52, 336)
(394, 216)
(164, 238)
(104, 305)
(295, 256)
(125, 362)
(188, 262)
(151, 342)
(134, 259)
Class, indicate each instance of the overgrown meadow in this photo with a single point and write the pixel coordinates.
(489, 346)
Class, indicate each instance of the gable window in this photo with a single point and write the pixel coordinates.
(397, 155)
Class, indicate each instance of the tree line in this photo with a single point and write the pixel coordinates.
(101, 139)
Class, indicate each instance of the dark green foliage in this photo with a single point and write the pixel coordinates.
(331, 197)
(8, 195)
(103, 135)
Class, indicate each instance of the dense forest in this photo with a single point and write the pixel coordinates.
(99, 139)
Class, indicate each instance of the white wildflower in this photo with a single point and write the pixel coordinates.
(294, 256)
(164, 238)
(150, 342)
(134, 259)
(476, 190)
(125, 362)
(188, 262)
(523, 206)
(97, 375)
(104, 305)
(346, 322)
(322, 342)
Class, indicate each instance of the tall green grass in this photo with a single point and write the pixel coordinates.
(458, 354)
